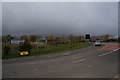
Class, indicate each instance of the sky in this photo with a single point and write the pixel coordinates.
(59, 18)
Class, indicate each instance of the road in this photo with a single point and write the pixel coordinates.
(90, 62)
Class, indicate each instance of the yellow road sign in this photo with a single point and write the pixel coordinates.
(24, 53)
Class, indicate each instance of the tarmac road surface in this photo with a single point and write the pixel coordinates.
(90, 62)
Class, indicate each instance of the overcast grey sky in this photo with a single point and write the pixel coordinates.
(60, 18)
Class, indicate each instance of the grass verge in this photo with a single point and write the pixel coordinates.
(49, 49)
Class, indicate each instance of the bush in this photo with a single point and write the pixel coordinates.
(6, 49)
(25, 46)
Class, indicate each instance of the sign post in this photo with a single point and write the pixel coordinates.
(24, 53)
(87, 36)
(43, 40)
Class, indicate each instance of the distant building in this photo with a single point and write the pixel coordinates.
(17, 41)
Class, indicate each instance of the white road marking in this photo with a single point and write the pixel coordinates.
(105, 53)
(109, 52)
(90, 66)
(116, 49)
(66, 54)
(79, 60)
(76, 57)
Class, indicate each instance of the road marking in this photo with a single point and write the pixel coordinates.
(109, 52)
(79, 60)
(110, 47)
(76, 57)
(116, 49)
(66, 54)
(105, 53)
(90, 66)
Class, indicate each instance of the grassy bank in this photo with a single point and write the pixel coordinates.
(47, 50)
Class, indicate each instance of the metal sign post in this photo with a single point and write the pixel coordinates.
(87, 36)
(37, 45)
(43, 40)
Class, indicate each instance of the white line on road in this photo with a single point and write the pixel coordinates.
(116, 49)
(109, 52)
(66, 54)
(79, 60)
(76, 57)
(89, 65)
(105, 53)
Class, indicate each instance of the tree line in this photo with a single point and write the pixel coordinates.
(33, 38)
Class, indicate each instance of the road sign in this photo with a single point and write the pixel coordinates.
(41, 40)
(17, 41)
(87, 36)
(24, 53)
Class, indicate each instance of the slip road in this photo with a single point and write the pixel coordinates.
(91, 62)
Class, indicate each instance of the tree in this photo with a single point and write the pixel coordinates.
(25, 46)
(51, 37)
(71, 37)
(9, 37)
(106, 36)
(80, 37)
(6, 49)
(3, 38)
(59, 39)
(76, 38)
(33, 38)
(25, 37)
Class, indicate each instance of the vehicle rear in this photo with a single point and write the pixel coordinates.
(97, 43)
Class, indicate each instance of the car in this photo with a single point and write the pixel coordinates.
(97, 43)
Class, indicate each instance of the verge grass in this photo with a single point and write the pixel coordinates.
(49, 49)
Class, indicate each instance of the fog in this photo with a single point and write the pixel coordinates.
(60, 18)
